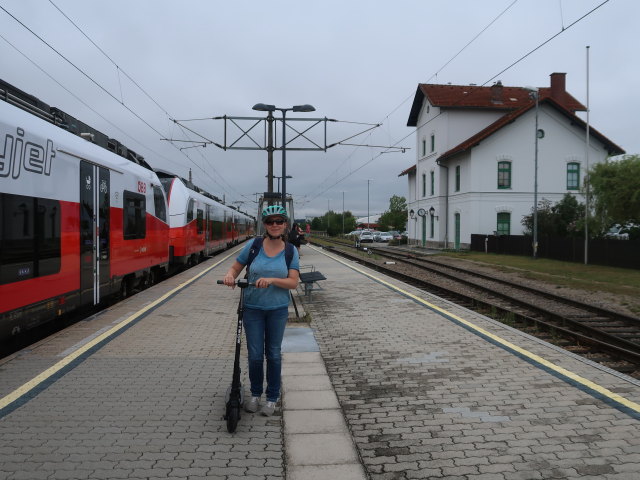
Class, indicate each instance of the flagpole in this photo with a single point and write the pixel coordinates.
(586, 176)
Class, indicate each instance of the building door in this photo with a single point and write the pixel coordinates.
(94, 232)
(424, 231)
(457, 238)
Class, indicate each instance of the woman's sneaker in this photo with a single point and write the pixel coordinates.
(252, 405)
(268, 408)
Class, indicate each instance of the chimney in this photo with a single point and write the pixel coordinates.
(496, 92)
(558, 86)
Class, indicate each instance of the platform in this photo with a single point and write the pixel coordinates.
(408, 386)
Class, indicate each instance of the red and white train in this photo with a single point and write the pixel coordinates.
(200, 223)
(83, 221)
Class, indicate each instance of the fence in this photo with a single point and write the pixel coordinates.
(610, 252)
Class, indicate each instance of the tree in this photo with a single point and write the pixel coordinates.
(565, 218)
(615, 189)
(331, 222)
(396, 217)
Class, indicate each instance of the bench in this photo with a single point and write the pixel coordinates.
(309, 281)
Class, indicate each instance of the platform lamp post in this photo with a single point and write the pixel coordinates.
(535, 94)
(368, 181)
(278, 178)
(343, 212)
(261, 107)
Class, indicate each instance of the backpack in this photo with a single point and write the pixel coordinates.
(293, 235)
(257, 245)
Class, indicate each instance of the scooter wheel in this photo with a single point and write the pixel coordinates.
(233, 415)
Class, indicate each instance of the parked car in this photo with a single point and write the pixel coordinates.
(618, 232)
(383, 237)
(366, 236)
(396, 235)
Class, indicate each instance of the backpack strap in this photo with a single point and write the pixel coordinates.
(288, 254)
(254, 251)
(257, 245)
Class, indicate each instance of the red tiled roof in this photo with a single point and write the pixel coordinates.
(471, 142)
(497, 97)
(412, 168)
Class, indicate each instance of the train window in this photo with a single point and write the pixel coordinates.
(166, 184)
(47, 232)
(159, 204)
(134, 216)
(190, 206)
(200, 220)
(29, 237)
(218, 222)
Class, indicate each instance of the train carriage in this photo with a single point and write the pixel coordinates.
(200, 224)
(77, 222)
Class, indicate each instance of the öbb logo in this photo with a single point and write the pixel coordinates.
(32, 157)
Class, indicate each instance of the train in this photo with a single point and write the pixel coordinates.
(84, 219)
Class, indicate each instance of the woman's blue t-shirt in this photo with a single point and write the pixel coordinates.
(263, 266)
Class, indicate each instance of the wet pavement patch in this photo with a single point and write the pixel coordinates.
(299, 339)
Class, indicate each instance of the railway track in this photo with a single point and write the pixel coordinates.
(602, 335)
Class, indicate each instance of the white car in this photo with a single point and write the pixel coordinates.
(384, 237)
(618, 232)
(366, 237)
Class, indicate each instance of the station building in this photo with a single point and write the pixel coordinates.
(475, 161)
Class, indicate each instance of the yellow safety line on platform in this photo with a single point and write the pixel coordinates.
(34, 382)
(525, 353)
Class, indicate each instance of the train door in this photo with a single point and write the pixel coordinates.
(94, 232)
(207, 231)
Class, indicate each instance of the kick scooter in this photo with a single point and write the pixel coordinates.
(234, 397)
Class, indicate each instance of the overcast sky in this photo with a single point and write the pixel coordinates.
(354, 60)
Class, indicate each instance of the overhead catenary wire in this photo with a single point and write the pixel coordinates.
(110, 59)
(564, 29)
(120, 101)
(411, 95)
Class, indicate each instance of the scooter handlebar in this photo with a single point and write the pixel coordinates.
(242, 283)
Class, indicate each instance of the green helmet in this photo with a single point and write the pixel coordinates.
(274, 210)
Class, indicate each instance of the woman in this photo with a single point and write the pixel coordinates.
(266, 305)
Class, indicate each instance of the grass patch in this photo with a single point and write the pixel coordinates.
(621, 281)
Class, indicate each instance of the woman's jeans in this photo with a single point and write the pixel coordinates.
(264, 330)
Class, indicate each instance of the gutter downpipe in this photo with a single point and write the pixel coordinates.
(446, 206)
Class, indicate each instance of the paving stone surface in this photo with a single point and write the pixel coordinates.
(426, 398)
(149, 404)
(422, 396)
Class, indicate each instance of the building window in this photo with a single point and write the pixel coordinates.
(424, 147)
(457, 178)
(573, 176)
(433, 142)
(424, 185)
(433, 182)
(504, 174)
(504, 223)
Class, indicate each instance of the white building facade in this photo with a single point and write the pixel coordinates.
(475, 165)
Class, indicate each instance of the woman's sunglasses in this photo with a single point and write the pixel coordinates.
(271, 222)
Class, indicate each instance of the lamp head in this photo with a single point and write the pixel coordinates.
(304, 108)
(432, 211)
(261, 107)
